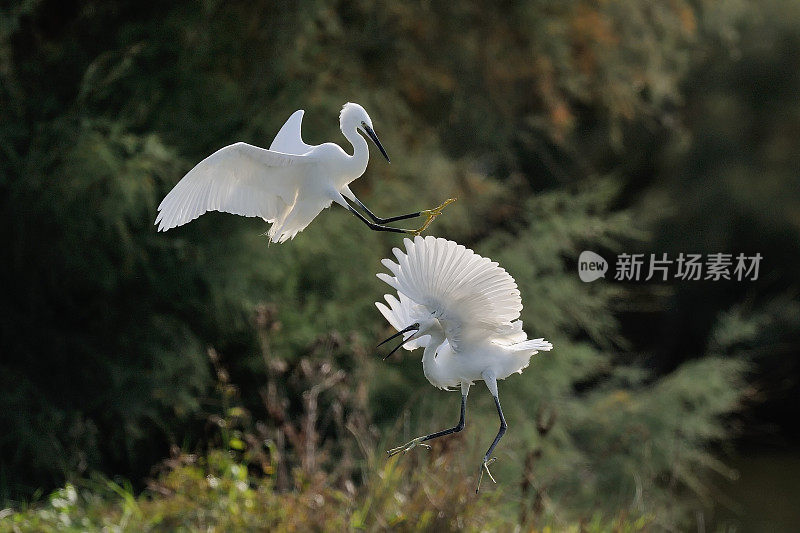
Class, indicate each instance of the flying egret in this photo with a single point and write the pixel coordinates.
(464, 310)
(287, 185)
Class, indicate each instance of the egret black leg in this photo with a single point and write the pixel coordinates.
(419, 440)
(488, 459)
(378, 227)
(500, 433)
(380, 220)
(455, 429)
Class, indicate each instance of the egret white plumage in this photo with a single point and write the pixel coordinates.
(287, 185)
(464, 310)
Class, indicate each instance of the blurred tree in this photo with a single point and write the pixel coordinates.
(732, 185)
(534, 114)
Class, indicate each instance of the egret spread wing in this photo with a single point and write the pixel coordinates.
(289, 139)
(512, 335)
(470, 295)
(241, 179)
(517, 340)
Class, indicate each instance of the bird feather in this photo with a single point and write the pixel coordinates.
(469, 294)
(241, 179)
(289, 139)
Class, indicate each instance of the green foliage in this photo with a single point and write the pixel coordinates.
(217, 494)
(731, 184)
(82, 258)
(226, 489)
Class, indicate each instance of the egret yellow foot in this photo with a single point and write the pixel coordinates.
(408, 446)
(485, 466)
(431, 214)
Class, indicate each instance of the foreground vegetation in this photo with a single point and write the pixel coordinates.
(244, 484)
(218, 493)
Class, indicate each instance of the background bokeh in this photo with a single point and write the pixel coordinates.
(137, 367)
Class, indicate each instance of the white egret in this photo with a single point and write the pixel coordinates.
(464, 310)
(287, 185)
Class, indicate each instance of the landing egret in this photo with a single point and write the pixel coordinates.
(287, 185)
(464, 310)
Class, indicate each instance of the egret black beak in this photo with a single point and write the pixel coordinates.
(412, 327)
(374, 138)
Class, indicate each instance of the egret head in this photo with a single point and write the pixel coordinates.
(426, 326)
(355, 117)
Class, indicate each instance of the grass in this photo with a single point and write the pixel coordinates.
(282, 475)
(218, 492)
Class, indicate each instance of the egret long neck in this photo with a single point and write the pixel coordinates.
(357, 163)
(430, 365)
